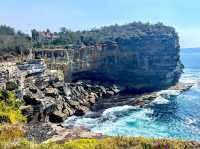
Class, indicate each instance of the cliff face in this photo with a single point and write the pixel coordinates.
(147, 62)
(142, 57)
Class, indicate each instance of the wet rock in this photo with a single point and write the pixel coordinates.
(92, 99)
(81, 89)
(93, 115)
(110, 93)
(115, 89)
(71, 111)
(103, 89)
(84, 102)
(75, 92)
(182, 87)
(81, 110)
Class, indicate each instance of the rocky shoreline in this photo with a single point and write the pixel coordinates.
(47, 101)
(63, 100)
(54, 101)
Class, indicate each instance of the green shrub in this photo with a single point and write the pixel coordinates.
(9, 108)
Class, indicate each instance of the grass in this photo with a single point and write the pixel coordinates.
(11, 137)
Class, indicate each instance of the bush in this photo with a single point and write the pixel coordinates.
(10, 85)
(9, 108)
(10, 115)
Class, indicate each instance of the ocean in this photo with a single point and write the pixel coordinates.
(176, 117)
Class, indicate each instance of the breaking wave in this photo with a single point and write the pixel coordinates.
(172, 115)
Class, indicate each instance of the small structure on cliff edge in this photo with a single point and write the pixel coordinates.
(142, 57)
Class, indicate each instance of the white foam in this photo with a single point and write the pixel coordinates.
(169, 93)
(70, 121)
(190, 76)
(190, 121)
(118, 109)
(143, 114)
(160, 100)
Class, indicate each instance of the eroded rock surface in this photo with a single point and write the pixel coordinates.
(56, 100)
(147, 62)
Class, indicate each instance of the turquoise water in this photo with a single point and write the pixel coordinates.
(175, 117)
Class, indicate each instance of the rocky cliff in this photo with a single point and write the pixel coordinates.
(138, 56)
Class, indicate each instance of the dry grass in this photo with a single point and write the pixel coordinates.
(15, 141)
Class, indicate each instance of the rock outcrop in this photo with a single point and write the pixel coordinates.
(56, 100)
(136, 56)
(147, 59)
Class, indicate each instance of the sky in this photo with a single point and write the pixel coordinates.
(25, 15)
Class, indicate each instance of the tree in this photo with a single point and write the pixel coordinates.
(11, 42)
(63, 30)
(35, 35)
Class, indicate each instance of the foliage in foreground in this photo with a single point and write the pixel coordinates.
(11, 137)
(9, 108)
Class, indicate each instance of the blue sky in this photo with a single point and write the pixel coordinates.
(86, 14)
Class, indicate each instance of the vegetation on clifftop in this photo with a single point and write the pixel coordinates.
(12, 42)
(112, 34)
(15, 43)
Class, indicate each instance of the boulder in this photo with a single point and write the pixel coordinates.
(51, 92)
(73, 103)
(103, 89)
(10, 86)
(58, 85)
(92, 97)
(110, 93)
(115, 89)
(81, 110)
(57, 117)
(48, 105)
(41, 84)
(29, 99)
(33, 89)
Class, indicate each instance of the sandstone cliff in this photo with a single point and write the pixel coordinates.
(138, 56)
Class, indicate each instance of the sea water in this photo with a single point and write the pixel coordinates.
(175, 117)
